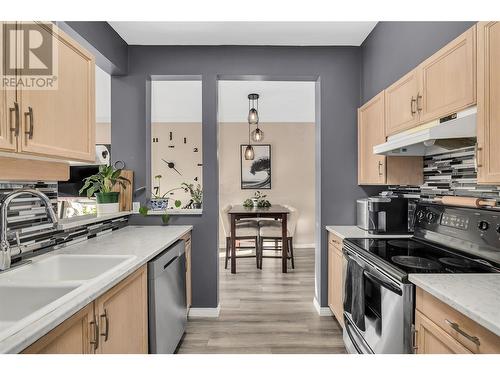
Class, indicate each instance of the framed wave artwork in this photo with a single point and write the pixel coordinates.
(256, 173)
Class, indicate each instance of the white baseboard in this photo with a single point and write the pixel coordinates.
(204, 312)
(322, 311)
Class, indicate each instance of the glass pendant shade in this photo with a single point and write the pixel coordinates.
(253, 117)
(249, 153)
(257, 135)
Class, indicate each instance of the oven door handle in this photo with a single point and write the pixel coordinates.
(347, 324)
(387, 285)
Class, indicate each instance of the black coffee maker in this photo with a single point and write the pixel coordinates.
(387, 215)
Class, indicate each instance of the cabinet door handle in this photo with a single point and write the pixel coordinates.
(379, 168)
(457, 328)
(413, 101)
(29, 114)
(95, 332)
(479, 161)
(106, 327)
(414, 339)
(419, 102)
(14, 129)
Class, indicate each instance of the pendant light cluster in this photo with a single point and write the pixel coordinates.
(253, 119)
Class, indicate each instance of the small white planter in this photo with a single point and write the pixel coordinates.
(107, 208)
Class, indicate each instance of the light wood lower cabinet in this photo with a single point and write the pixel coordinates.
(122, 315)
(433, 340)
(335, 277)
(440, 329)
(488, 99)
(378, 169)
(116, 322)
(73, 336)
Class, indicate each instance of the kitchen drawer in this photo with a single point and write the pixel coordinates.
(335, 241)
(444, 316)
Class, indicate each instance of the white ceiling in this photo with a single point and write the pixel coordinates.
(244, 33)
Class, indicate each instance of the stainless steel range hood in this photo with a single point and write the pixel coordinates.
(451, 132)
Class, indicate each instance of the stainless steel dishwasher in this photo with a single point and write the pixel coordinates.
(167, 299)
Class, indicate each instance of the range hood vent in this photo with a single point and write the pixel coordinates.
(448, 133)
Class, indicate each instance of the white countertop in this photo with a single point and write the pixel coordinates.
(77, 221)
(143, 242)
(352, 231)
(477, 296)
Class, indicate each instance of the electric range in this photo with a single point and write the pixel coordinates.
(446, 240)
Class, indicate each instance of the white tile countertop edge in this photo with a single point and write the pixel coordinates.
(352, 231)
(477, 296)
(143, 242)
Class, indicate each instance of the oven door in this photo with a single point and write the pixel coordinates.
(388, 312)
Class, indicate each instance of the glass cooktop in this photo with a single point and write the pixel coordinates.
(414, 256)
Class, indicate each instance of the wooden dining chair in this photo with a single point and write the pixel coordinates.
(270, 230)
(245, 230)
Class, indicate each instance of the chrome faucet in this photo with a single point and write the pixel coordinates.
(5, 256)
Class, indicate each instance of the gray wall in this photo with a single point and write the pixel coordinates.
(394, 48)
(347, 76)
(109, 49)
(338, 73)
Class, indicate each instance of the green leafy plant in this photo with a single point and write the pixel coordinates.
(195, 192)
(103, 181)
(165, 218)
(177, 203)
(259, 198)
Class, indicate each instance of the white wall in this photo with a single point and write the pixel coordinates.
(279, 101)
(176, 101)
(292, 171)
(102, 95)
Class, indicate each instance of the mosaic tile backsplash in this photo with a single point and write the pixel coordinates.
(27, 216)
(454, 173)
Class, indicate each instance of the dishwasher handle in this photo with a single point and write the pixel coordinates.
(170, 262)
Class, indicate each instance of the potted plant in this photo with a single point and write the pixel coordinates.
(101, 185)
(257, 201)
(160, 202)
(195, 192)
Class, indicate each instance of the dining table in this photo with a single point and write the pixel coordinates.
(276, 211)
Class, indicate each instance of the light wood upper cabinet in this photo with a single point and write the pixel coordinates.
(448, 78)
(8, 141)
(335, 278)
(371, 119)
(401, 104)
(488, 102)
(73, 336)
(378, 169)
(61, 122)
(123, 317)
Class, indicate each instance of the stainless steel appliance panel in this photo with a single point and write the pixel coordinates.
(167, 299)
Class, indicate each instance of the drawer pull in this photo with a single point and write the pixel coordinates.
(106, 327)
(457, 328)
(412, 107)
(95, 332)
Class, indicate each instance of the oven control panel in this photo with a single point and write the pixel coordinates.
(476, 227)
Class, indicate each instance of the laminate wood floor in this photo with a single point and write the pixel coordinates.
(265, 311)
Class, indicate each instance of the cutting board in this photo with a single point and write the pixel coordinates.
(126, 192)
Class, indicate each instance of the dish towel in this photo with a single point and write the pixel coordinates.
(354, 295)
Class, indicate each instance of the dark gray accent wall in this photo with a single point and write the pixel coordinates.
(394, 48)
(337, 71)
(109, 49)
